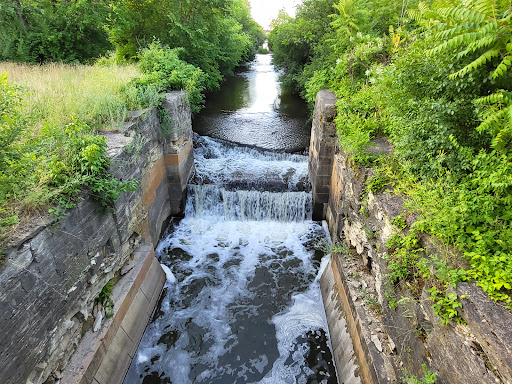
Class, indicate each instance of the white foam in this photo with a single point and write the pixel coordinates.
(171, 279)
(305, 314)
(142, 358)
(217, 162)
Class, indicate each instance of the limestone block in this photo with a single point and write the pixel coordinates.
(322, 149)
(179, 117)
(490, 323)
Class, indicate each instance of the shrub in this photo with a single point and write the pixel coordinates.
(163, 71)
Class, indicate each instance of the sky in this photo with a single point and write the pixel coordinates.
(264, 11)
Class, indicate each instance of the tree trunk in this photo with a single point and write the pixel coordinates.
(21, 16)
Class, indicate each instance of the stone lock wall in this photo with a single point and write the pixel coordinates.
(386, 342)
(321, 151)
(54, 271)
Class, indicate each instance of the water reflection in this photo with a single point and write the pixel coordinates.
(252, 108)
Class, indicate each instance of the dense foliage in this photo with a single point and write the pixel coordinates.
(163, 70)
(37, 31)
(215, 35)
(435, 79)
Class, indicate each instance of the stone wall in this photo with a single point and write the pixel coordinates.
(321, 151)
(388, 341)
(55, 270)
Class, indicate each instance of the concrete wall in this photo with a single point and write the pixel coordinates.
(385, 341)
(54, 271)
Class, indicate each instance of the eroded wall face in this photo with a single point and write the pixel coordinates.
(54, 271)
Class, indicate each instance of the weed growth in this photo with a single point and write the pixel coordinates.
(104, 297)
(428, 378)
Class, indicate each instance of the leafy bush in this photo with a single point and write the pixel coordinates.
(163, 71)
(39, 31)
(216, 35)
(294, 41)
(474, 214)
(428, 378)
(427, 110)
(445, 305)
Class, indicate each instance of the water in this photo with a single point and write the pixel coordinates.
(253, 108)
(241, 303)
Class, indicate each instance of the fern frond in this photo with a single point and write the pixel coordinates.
(488, 27)
(415, 14)
(448, 33)
(504, 136)
(450, 44)
(453, 43)
(484, 58)
(463, 53)
(481, 43)
(499, 97)
(502, 67)
(485, 7)
(492, 123)
(464, 14)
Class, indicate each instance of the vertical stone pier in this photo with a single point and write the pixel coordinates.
(321, 151)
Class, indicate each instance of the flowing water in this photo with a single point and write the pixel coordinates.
(253, 108)
(241, 303)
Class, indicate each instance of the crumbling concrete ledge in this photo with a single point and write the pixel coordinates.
(356, 349)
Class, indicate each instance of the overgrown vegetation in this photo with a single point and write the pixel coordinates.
(162, 71)
(105, 298)
(434, 78)
(48, 167)
(214, 35)
(428, 378)
(54, 92)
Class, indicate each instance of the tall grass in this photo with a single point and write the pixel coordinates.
(55, 92)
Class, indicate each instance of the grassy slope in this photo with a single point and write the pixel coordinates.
(55, 92)
(43, 171)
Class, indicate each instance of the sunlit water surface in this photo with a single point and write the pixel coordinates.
(253, 108)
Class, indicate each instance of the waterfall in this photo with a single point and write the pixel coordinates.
(243, 205)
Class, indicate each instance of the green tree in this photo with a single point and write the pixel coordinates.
(482, 30)
(53, 30)
(216, 35)
(294, 41)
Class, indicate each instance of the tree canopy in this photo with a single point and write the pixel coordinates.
(215, 35)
